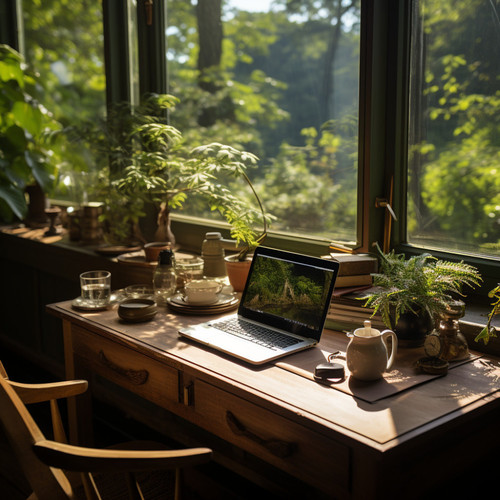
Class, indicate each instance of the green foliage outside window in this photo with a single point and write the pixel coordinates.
(454, 196)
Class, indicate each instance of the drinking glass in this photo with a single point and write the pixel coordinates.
(96, 288)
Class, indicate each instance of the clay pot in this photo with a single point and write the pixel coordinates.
(152, 250)
(237, 271)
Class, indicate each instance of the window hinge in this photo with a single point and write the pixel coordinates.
(148, 6)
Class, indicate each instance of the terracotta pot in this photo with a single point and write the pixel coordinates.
(237, 272)
(152, 250)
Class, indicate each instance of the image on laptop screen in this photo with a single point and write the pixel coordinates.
(291, 295)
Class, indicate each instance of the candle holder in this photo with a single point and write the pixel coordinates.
(52, 213)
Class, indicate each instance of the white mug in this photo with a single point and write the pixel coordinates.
(202, 291)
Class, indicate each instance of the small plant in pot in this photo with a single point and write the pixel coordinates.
(489, 330)
(410, 294)
(242, 218)
(156, 171)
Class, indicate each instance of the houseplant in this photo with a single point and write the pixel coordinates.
(24, 124)
(151, 166)
(489, 330)
(410, 294)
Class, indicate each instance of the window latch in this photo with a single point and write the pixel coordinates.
(148, 6)
(383, 203)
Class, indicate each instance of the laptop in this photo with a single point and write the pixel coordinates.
(282, 309)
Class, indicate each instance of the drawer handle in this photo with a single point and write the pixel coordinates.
(137, 377)
(281, 449)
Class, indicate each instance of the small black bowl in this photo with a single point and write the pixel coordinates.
(137, 310)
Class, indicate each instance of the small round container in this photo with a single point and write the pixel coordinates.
(137, 310)
(141, 291)
(152, 250)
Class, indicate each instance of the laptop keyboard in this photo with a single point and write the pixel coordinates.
(255, 333)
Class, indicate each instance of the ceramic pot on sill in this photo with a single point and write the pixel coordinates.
(411, 329)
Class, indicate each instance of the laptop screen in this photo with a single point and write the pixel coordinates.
(289, 291)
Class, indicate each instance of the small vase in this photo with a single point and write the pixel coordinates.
(411, 329)
(164, 231)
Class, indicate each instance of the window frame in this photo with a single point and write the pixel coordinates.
(383, 118)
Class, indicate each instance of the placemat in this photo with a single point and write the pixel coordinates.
(403, 375)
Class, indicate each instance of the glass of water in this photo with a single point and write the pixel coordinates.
(96, 288)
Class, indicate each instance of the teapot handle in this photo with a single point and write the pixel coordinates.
(394, 346)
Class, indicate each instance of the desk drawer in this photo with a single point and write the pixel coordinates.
(297, 450)
(123, 366)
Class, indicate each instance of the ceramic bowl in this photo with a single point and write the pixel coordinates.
(137, 310)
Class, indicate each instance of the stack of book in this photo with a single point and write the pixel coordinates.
(353, 284)
(347, 313)
(355, 269)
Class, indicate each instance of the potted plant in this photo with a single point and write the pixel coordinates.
(489, 330)
(151, 166)
(410, 294)
(25, 161)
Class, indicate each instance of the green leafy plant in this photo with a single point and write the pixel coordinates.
(150, 164)
(421, 283)
(24, 126)
(489, 331)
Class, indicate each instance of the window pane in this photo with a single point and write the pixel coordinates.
(64, 43)
(454, 147)
(278, 79)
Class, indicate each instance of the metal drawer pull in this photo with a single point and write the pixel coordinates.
(137, 377)
(281, 449)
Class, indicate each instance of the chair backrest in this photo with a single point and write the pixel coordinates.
(48, 483)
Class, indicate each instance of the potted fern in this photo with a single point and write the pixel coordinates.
(410, 294)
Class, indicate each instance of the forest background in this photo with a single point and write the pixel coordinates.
(284, 85)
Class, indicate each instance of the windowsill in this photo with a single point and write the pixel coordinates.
(473, 322)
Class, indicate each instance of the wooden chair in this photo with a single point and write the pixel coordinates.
(51, 466)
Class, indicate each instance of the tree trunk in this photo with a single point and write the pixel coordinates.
(210, 34)
(208, 14)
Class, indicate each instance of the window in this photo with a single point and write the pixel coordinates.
(426, 73)
(64, 42)
(454, 145)
(281, 80)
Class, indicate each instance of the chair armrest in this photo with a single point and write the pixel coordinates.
(80, 459)
(38, 393)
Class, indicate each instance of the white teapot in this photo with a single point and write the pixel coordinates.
(367, 355)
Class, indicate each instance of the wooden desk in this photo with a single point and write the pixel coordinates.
(342, 446)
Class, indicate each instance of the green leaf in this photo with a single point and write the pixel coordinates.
(15, 199)
(28, 117)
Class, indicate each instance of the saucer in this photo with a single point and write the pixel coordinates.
(223, 304)
(200, 302)
(222, 299)
(83, 305)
